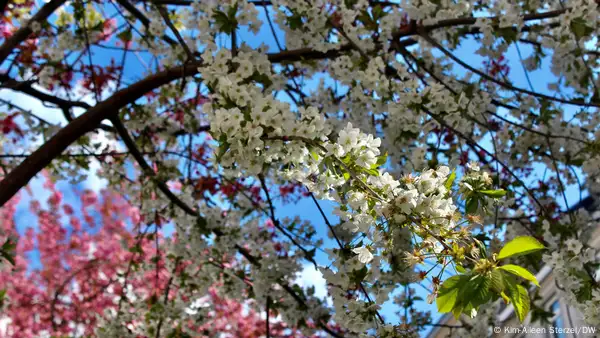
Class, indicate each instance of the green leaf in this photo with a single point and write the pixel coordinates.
(472, 205)
(459, 268)
(366, 19)
(481, 246)
(381, 160)
(347, 160)
(136, 249)
(8, 250)
(371, 172)
(475, 292)
(580, 29)
(456, 312)
(346, 175)
(494, 193)
(223, 147)
(357, 276)
(520, 246)
(508, 33)
(232, 11)
(178, 333)
(497, 281)
(450, 180)
(378, 12)
(202, 226)
(9, 245)
(448, 292)
(521, 272)
(578, 162)
(125, 35)
(518, 297)
(584, 293)
(505, 297)
(294, 21)
(224, 22)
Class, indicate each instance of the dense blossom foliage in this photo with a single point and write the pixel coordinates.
(442, 164)
(95, 265)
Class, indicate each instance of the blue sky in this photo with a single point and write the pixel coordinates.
(305, 208)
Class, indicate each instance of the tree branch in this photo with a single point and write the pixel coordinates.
(88, 121)
(23, 33)
(83, 124)
(142, 18)
(26, 88)
(498, 82)
(165, 16)
(190, 211)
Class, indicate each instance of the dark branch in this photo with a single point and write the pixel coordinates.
(23, 33)
(142, 18)
(83, 124)
(130, 143)
(165, 15)
(26, 87)
(502, 83)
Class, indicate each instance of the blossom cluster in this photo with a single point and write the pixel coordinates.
(370, 105)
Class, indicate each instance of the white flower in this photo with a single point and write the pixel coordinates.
(335, 149)
(431, 298)
(363, 222)
(373, 143)
(407, 200)
(349, 137)
(364, 255)
(473, 166)
(574, 245)
(350, 226)
(412, 259)
(443, 171)
(467, 185)
(366, 159)
(589, 255)
(358, 201)
(245, 69)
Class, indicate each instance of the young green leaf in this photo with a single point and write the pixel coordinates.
(505, 297)
(457, 311)
(472, 205)
(372, 172)
(381, 160)
(521, 272)
(494, 193)
(448, 292)
(519, 298)
(580, 28)
(7, 251)
(8, 257)
(475, 292)
(481, 247)
(497, 281)
(450, 180)
(520, 246)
